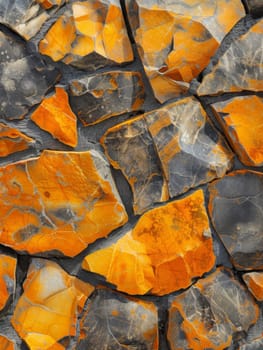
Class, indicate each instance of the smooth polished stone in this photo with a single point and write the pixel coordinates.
(115, 321)
(129, 147)
(242, 121)
(240, 68)
(7, 279)
(89, 35)
(48, 309)
(55, 116)
(167, 248)
(101, 96)
(176, 39)
(210, 313)
(254, 281)
(6, 343)
(58, 203)
(235, 207)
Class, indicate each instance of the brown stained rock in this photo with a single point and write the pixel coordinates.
(242, 121)
(235, 207)
(240, 67)
(191, 151)
(168, 247)
(6, 343)
(100, 96)
(130, 148)
(114, 321)
(176, 39)
(12, 140)
(58, 203)
(7, 279)
(254, 281)
(89, 35)
(55, 116)
(209, 313)
(47, 310)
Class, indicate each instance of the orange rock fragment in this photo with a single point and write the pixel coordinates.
(7, 279)
(12, 140)
(168, 247)
(47, 4)
(6, 344)
(254, 281)
(47, 310)
(55, 116)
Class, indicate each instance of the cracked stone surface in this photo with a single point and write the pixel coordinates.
(58, 203)
(7, 279)
(254, 281)
(166, 249)
(235, 207)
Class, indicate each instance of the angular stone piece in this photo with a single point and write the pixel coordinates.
(47, 310)
(168, 247)
(100, 96)
(6, 343)
(240, 67)
(130, 148)
(7, 279)
(58, 203)
(12, 140)
(235, 207)
(24, 79)
(47, 4)
(89, 35)
(191, 151)
(176, 39)
(255, 7)
(254, 281)
(242, 121)
(209, 313)
(55, 116)
(114, 321)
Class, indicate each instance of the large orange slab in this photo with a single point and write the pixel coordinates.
(58, 203)
(7, 279)
(168, 247)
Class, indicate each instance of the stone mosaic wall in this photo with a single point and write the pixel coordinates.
(131, 186)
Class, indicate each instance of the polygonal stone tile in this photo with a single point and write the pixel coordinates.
(242, 121)
(254, 281)
(48, 309)
(236, 208)
(168, 247)
(58, 203)
(7, 279)
(55, 116)
(89, 35)
(210, 313)
(129, 147)
(101, 96)
(176, 39)
(114, 321)
(240, 67)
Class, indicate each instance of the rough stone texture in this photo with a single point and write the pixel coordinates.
(240, 67)
(58, 203)
(168, 247)
(176, 39)
(254, 281)
(6, 344)
(114, 321)
(7, 279)
(89, 35)
(55, 116)
(235, 207)
(191, 151)
(100, 96)
(209, 313)
(47, 310)
(129, 147)
(12, 140)
(242, 121)
(255, 7)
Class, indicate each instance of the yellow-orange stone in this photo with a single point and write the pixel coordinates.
(254, 281)
(47, 4)
(7, 278)
(55, 116)
(47, 310)
(6, 344)
(163, 252)
(12, 140)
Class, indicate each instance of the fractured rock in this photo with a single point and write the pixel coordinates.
(7, 280)
(254, 281)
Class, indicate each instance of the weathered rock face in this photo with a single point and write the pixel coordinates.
(254, 281)
(208, 314)
(114, 321)
(168, 247)
(7, 279)
(47, 310)
(242, 121)
(177, 39)
(101, 96)
(235, 207)
(56, 198)
(240, 68)
(90, 34)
